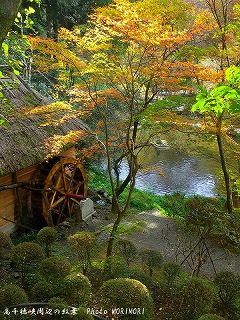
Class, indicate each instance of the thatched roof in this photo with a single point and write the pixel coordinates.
(26, 134)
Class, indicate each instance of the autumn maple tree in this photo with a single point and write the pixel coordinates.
(120, 65)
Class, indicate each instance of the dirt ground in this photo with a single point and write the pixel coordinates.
(175, 243)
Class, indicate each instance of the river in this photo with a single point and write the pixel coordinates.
(190, 175)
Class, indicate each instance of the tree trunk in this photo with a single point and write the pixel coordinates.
(225, 173)
(113, 234)
(8, 13)
(48, 19)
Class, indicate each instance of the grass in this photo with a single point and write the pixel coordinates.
(169, 205)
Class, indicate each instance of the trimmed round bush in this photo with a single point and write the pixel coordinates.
(96, 276)
(5, 244)
(115, 267)
(11, 294)
(198, 296)
(126, 293)
(42, 291)
(26, 255)
(210, 316)
(171, 271)
(83, 315)
(82, 244)
(57, 303)
(47, 236)
(152, 259)
(77, 289)
(138, 274)
(55, 268)
(126, 249)
(228, 284)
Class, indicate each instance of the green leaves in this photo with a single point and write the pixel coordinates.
(222, 97)
(5, 48)
(16, 72)
(233, 76)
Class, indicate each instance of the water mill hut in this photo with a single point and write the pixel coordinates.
(40, 175)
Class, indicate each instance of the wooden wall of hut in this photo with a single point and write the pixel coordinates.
(13, 202)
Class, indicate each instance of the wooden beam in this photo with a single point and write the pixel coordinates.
(19, 204)
(23, 185)
(18, 224)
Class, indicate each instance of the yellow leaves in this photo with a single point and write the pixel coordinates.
(94, 98)
(204, 22)
(55, 144)
(58, 52)
(93, 40)
(53, 114)
(142, 22)
(90, 152)
(50, 108)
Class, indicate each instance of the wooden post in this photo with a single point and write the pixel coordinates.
(18, 206)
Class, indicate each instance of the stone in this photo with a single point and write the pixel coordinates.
(65, 224)
(101, 203)
(105, 195)
(86, 209)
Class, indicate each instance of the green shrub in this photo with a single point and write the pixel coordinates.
(184, 300)
(57, 303)
(82, 244)
(5, 244)
(151, 259)
(25, 256)
(126, 249)
(115, 267)
(138, 274)
(210, 316)
(82, 314)
(197, 296)
(96, 276)
(55, 268)
(42, 291)
(231, 229)
(228, 285)
(126, 293)
(47, 236)
(11, 294)
(77, 289)
(202, 213)
(174, 204)
(171, 271)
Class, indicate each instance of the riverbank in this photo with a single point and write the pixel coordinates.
(171, 205)
(201, 215)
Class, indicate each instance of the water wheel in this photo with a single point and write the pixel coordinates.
(65, 186)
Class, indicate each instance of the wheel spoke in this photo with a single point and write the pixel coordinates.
(72, 179)
(57, 202)
(65, 177)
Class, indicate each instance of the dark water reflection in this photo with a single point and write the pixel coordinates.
(181, 173)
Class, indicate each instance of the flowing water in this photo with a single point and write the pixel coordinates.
(180, 173)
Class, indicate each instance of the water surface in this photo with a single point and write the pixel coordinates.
(181, 173)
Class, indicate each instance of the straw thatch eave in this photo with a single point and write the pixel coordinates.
(23, 138)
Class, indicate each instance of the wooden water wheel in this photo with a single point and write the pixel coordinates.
(65, 186)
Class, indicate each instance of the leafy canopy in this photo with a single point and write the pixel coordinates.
(223, 97)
